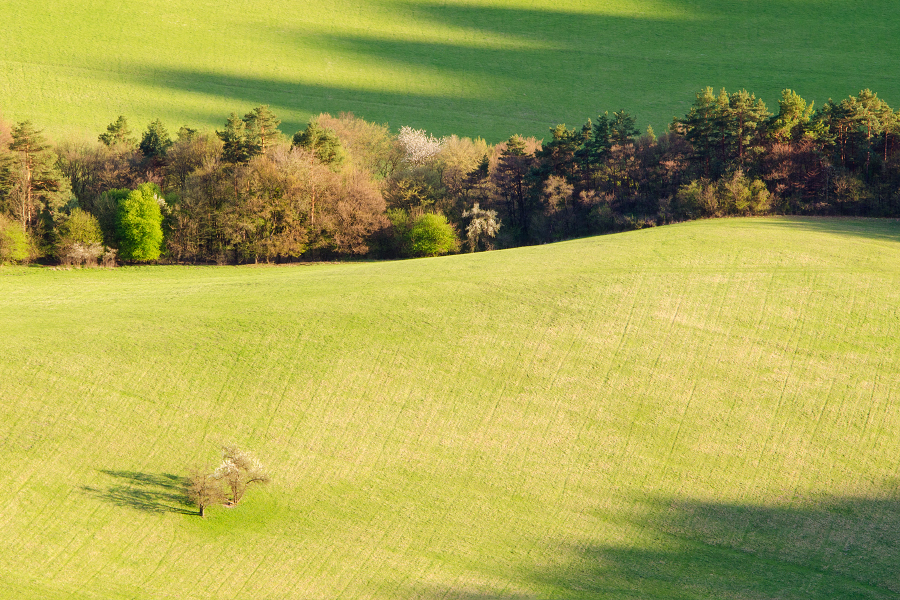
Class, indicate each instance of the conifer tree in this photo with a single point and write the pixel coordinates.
(322, 142)
(155, 141)
(261, 129)
(622, 128)
(236, 147)
(33, 188)
(746, 117)
(118, 134)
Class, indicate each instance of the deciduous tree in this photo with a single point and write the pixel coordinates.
(483, 225)
(139, 224)
(240, 469)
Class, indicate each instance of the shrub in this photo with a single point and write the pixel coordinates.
(139, 223)
(431, 235)
(80, 241)
(14, 243)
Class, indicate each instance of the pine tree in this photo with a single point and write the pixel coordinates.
(155, 141)
(236, 148)
(322, 142)
(622, 130)
(34, 189)
(262, 129)
(705, 126)
(557, 157)
(118, 134)
(746, 117)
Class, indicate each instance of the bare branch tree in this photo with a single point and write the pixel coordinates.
(204, 489)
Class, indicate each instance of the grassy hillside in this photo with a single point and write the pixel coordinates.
(471, 67)
(704, 410)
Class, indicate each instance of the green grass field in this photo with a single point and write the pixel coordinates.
(486, 68)
(705, 410)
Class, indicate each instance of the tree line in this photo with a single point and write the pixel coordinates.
(346, 187)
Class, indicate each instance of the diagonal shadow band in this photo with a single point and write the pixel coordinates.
(147, 492)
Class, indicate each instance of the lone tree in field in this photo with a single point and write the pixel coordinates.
(204, 489)
(238, 470)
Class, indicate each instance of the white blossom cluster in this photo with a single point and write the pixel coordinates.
(418, 146)
(484, 224)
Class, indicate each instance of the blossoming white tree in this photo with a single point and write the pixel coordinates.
(418, 146)
(484, 224)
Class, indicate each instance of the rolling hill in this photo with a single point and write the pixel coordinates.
(702, 410)
(469, 67)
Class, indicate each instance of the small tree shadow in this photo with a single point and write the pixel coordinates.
(148, 492)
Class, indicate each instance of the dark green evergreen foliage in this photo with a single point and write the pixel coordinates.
(261, 129)
(236, 148)
(107, 212)
(118, 134)
(322, 142)
(140, 224)
(513, 181)
(622, 129)
(597, 142)
(704, 127)
(557, 157)
(793, 121)
(155, 141)
(745, 119)
(482, 171)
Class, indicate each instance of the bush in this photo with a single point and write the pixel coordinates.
(80, 241)
(14, 243)
(139, 221)
(431, 235)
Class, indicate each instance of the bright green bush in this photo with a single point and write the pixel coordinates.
(139, 224)
(432, 235)
(14, 243)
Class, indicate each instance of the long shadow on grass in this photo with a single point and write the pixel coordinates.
(147, 492)
(548, 65)
(876, 229)
(827, 548)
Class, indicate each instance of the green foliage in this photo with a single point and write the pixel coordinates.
(322, 142)
(733, 195)
(81, 227)
(155, 141)
(187, 134)
(14, 243)
(262, 129)
(431, 235)
(236, 148)
(31, 186)
(139, 224)
(118, 134)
